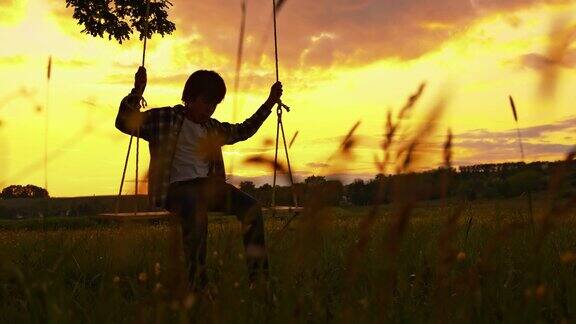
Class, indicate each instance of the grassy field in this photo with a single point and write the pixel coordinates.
(479, 262)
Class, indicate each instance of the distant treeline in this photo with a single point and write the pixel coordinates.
(16, 208)
(502, 180)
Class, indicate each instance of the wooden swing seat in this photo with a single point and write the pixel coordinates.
(165, 214)
(133, 216)
(284, 209)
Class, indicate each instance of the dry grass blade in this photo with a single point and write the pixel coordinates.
(392, 128)
(378, 163)
(49, 68)
(521, 144)
(408, 151)
(557, 208)
(390, 131)
(239, 54)
(143, 183)
(349, 141)
(560, 39)
(519, 135)
(571, 155)
(279, 5)
(262, 160)
(412, 100)
(22, 93)
(447, 255)
(448, 150)
(447, 155)
(293, 139)
(267, 142)
(513, 106)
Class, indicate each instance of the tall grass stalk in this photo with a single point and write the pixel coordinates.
(520, 143)
(46, 120)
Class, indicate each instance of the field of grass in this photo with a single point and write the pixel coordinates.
(486, 265)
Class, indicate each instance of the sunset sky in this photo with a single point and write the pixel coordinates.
(341, 61)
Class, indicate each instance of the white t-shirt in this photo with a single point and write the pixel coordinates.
(189, 162)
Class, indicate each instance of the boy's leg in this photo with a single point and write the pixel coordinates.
(187, 201)
(249, 212)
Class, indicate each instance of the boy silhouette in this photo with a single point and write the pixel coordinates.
(186, 173)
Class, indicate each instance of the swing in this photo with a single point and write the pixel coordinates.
(295, 209)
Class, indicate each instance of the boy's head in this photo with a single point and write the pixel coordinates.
(203, 91)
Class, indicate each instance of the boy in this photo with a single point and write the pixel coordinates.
(186, 174)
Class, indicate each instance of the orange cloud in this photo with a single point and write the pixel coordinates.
(327, 32)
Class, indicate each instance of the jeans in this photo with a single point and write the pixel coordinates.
(191, 200)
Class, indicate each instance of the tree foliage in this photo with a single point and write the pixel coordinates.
(482, 181)
(118, 18)
(28, 191)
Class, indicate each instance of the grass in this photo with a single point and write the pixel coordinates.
(124, 273)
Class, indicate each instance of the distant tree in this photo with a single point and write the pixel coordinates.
(118, 18)
(333, 192)
(380, 177)
(357, 193)
(314, 180)
(379, 189)
(266, 187)
(28, 191)
(247, 186)
(264, 194)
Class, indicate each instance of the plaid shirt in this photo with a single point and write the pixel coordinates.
(161, 128)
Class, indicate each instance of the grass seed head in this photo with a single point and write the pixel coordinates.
(513, 106)
(461, 256)
(49, 68)
(568, 257)
(448, 149)
(266, 161)
(349, 141)
(540, 292)
(293, 139)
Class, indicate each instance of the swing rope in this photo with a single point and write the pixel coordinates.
(143, 103)
(280, 125)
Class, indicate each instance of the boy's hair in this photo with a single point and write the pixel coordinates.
(208, 84)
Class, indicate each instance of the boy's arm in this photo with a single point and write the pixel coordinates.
(234, 133)
(129, 119)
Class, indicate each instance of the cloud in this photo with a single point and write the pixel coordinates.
(11, 11)
(546, 141)
(317, 165)
(541, 62)
(73, 63)
(12, 60)
(483, 145)
(320, 33)
(486, 151)
(528, 133)
(326, 32)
